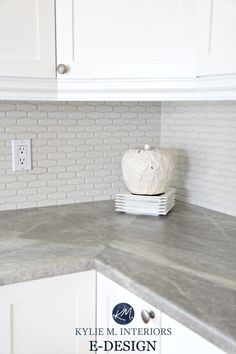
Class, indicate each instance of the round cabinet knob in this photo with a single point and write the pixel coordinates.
(61, 68)
(147, 315)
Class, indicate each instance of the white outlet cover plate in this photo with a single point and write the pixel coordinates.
(17, 163)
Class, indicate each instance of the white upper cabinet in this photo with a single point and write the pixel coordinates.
(118, 50)
(27, 38)
(126, 39)
(217, 37)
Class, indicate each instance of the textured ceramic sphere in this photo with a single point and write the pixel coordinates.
(147, 171)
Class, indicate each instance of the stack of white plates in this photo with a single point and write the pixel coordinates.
(145, 204)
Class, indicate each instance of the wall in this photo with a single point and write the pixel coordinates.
(203, 135)
(76, 149)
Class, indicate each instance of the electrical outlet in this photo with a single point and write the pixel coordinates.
(21, 155)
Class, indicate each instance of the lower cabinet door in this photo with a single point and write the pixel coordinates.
(173, 338)
(41, 317)
(136, 336)
(183, 340)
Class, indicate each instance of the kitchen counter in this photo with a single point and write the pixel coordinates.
(183, 263)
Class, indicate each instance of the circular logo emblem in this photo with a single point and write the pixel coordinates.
(123, 313)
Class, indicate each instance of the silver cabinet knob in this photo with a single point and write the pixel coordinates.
(61, 68)
(147, 315)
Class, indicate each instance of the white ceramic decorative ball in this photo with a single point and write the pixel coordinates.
(147, 171)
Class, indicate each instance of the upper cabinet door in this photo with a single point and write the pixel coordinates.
(216, 37)
(126, 39)
(27, 38)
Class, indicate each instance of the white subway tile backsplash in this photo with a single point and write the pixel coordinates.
(76, 149)
(203, 135)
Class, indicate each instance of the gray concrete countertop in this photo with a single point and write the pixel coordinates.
(184, 263)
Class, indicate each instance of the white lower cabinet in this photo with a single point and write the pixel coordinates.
(180, 341)
(40, 317)
(109, 294)
(183, 340)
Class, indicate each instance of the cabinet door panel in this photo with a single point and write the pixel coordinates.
(116, 38)
(109, 294)
(44, 321)
(40, 317)
(27, 38)
(216, 37)
(183, 340)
